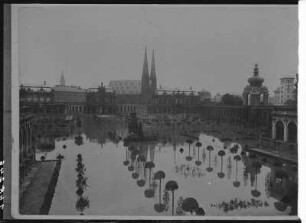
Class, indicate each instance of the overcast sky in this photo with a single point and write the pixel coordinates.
(208, 47)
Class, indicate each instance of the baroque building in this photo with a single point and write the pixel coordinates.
(285, 92)
(101, 100)
(35, 95)
(255, 93)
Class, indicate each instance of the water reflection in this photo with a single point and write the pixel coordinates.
(156, 178)
(189, 157)
(209, 168)
(236, 183)
(159, 175)
(198, 162)
(149, 192)
(171, 186)
(221, 153)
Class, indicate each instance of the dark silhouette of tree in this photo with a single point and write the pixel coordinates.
(126, 162)
(229, 99)
(200, 211)
(142, 159)
(257, 167)
(280, 206)
(149, 192)
(190, 205)
(236, 183)
(81, 204)
(159, 175)
(189, 141)
(198, 162)
(209, 148)
(172, 186)
(221, 153)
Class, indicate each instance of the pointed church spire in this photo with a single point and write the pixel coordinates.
(145, 75)
(153, 74)
(145, 70)
(62, 80)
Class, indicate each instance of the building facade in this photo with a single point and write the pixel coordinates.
(251, 116)
(255, 93)
(69, 94)
(175, 97)
(217, 98)
(284, 132)
(284, 125)
(126, 87)
(101, 100)
(26, 143)
(35, 94)
(286, 92)
(205, 96)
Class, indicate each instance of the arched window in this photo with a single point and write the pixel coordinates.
(280, 130)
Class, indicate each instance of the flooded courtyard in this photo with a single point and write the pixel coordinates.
(188, 170)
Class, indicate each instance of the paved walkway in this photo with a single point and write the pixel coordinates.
(287, 158)
(34, 194)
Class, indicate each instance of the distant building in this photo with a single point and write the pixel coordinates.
(255, 93)
(131, 87)
(217, 98)
(286, 91)
(271, 100)
(205, 96)
(176, 97)
(101, 100)
(35, 94)
(69, 94)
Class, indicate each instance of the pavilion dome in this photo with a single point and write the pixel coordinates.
(256, 80)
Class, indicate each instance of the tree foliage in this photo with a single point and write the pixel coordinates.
(229, 99)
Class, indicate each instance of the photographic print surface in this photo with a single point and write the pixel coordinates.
(156, 110)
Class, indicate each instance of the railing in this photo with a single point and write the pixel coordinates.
(281, 147)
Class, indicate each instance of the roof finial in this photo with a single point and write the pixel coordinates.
(256, 72)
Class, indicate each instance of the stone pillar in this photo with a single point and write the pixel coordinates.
(286, 131)
(273, 129)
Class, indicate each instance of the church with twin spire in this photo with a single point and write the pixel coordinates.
(138, 91)
(148, 80)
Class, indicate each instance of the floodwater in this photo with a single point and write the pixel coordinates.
(100, 175)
